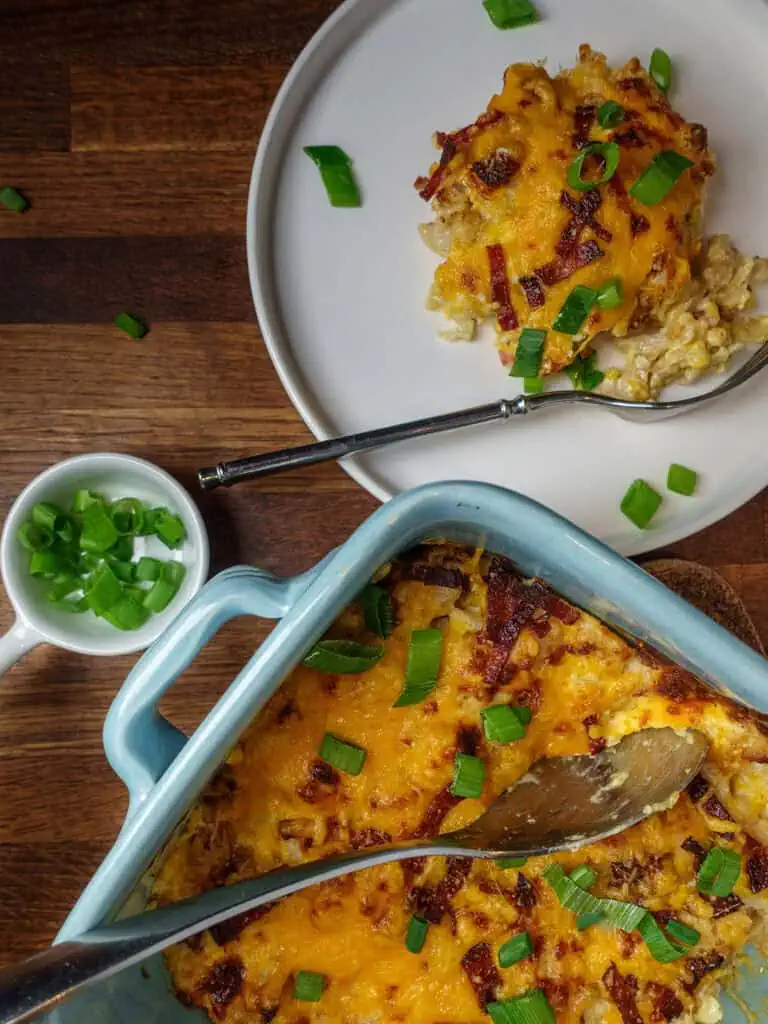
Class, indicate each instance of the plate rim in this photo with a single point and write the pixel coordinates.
(259, 253)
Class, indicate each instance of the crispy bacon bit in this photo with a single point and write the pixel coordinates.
(321, 771)
(525, 894)
(692, 846)
(468, 739)
(583, 119)
(627, 872)
(226, 931)
(433, 903)
(666, 1005)
(286, 711)
(630, 138)
(500, 288)
(563, 267)
(697, 788)
(722, 906)
(295, 828)
(434, 180)
(530, 697)
(361, 839)
(411, 868)
(623, 992)
(510, 607)
(699, 966)
(223, 983)
(268, 1014)
(628, 941)
(679, 685)
(463, 135)
(714, 808)
(562, 610)
(534, 293)
(583, 216)
(482, 973)
(323, 780)
(433, 575)
(438, 808)
(497, 169)
(638, 224)
(556, 993)
(757, 868)
(221, 788)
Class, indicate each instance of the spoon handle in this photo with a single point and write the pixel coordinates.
(35, 985)
(228, 473)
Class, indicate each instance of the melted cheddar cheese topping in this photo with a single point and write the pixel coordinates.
(503, 182)
(505, 640)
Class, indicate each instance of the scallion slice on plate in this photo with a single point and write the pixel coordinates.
(641, 503)
(530, 349)
(510, 13)
(336, 171)
(660, 67)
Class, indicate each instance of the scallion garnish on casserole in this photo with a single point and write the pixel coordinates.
(641, 927)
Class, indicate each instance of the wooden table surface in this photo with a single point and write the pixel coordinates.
(131, 125)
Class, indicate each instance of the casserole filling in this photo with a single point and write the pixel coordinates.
(434, 941)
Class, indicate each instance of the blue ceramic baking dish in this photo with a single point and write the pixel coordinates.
(164, 770)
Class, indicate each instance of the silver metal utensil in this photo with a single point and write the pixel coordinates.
(561, 803)
(228, 473)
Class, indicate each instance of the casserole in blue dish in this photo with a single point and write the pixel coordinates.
(164, 771)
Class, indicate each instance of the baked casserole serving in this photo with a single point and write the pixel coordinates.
(348, 756)
(573, 206)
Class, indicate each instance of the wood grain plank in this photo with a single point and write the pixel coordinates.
(172, 32)
(89, 280)
(170, 108)
(122, 194)
(740, 537)
(34, 105)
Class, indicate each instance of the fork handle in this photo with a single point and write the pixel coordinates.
(228, 473)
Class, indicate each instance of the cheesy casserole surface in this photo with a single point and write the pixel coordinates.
(515, 237)
(504, 640)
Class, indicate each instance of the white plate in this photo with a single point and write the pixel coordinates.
(340, 293)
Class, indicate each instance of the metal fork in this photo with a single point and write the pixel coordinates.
(228, 473)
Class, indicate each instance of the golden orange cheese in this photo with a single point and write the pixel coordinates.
(505, 640)
(502, 182)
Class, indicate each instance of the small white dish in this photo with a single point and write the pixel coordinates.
(340, 293)
(114, 476)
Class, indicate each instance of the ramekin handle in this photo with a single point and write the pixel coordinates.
(140, 743)
(19, 639)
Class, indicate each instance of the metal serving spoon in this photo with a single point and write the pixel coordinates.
(560, 803)
(227, 473)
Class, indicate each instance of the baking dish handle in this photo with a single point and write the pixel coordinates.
(140, 744)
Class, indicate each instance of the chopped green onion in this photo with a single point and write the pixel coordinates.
(682, 480)
(65, 529)
(122, 549)
(584, 921)
(308, 986)
(641, 503)
(132, 326)
(468, 777)
(13, 200)
(64, 585)
(583, 372)
(530, 1008)
(102, 589)
(719, 872)
(575, 310)
(344, 756)
(98, 531)
(660, 68)
(83, 498)
(610, 154)
(530, 348)
(611, 294)
(86, 563)
(125, 571)
(377, 610)
(510, 13)
(128, 613)
(34, 537)
(626, 916)
(168, 527)
(659, 946)
(48, 516)
(128, 516)
(416, 935)
(610, 114)
(148, 569)
(342, 657)
(336, 172)
(422, 666)
(510, 862)
(501, 724)
(515, 949)
(683, 934)
(660, 177)
(165, 588)
(46, 563)
(533, 385)
(583, 876)
(524, 714)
